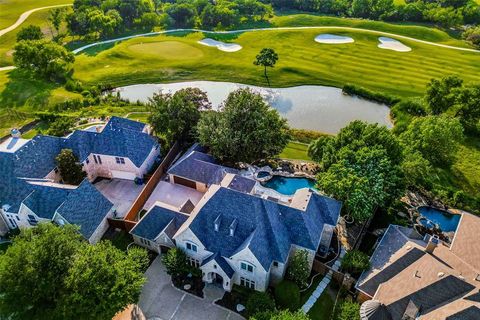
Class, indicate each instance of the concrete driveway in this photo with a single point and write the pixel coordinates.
(159, 300)
(122, 193)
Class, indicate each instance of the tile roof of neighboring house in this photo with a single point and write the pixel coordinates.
(198, 166)
(156, 220)
(405, 278)
(221, 262)
(36, 158)
(86, 207)
(44, 201)
(465, 243)
(267, 228)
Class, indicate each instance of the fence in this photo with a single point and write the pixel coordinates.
(323, 269)
(137, 206)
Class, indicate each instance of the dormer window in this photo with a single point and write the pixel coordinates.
(246, 266)
(217, 222)
(191, 247)
(233, 226)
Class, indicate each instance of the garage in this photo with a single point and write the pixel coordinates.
(185, 182)
(123, 175)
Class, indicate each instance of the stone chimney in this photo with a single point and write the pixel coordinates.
(432, 243)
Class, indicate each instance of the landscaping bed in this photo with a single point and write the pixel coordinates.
(195, 284)
(238, 295)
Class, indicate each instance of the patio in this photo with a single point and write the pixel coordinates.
(172, 194)
(122, 193)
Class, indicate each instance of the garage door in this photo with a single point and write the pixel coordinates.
(185, 182)
(123, 175)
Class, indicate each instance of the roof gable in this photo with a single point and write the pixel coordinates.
(156, 220)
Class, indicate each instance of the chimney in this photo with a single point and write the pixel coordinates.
(432, 243)
(217, 222)
(233, 226)
(15, 133)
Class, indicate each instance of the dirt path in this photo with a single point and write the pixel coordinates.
(25, 15)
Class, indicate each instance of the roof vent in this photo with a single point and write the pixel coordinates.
(217, 222)
(440, 274)
(15, 133)
(233, 226)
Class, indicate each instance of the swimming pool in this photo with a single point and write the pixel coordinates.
(447, 222)
(288, 185)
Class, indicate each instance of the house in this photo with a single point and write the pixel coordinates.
(233, 234)
(30, 186)
(415, 277)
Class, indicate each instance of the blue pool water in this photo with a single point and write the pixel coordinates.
(447, 221)
(288, 186)
(263, 174)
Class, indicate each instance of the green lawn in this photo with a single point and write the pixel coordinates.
(323, 308)
(302, 61)
(10, 10)
(295, 151)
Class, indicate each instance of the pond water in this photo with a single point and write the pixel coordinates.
(319, 108)
(288, 185)
(447, 222)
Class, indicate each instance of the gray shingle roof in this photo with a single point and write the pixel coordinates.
(156, 221)
(267, 228)
(85, 207)
(221, 262)
(44, 201)
(470, 313)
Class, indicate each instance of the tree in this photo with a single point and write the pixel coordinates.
(56, 18)
(266, 58)
(355, 262)
(472, 35)
(176, 116)
(175, 261)
(48, 269)
(218, 16)
(299, 268)
(246, 129)
(183, 14)
(109, 278)
(32, 271)
(349, 311)
(259, 302)
(60, 126)
(30, 32)
(282, 315)
(441, 94)
(467, 107)
(437, 138)
(69, 168)
(150, 20)
(43, 58)
(416, 169)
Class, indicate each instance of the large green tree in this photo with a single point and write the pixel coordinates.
(69, 168)
(30, 32)
(44, 58)
(176, 116)
(266, 58)
(245, 130)
(435, 137)
(299, 268)
(50, 272)
(441, 93)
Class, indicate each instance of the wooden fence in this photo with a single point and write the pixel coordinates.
(320, 267)
(137, 206)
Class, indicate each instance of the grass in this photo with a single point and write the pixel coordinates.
(10, 10)
(121, 240)
(302, 61)
(295, 151)
(323, 308)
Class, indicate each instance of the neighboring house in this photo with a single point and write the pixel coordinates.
(234, 235)
(30, 189)
(414, 277)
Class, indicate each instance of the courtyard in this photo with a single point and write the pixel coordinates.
(173, 195)
(122, 193)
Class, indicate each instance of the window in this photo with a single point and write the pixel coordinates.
(247, 283)
(99, 159)
(275, 264)
(246, 266)
(120, 160)
(87, 161)
(194, 262)
(13, 223)
(55, 170)
(95, 159)
(192, 247)
(145, 242)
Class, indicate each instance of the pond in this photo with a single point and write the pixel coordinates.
(446, 221)
(320, 108)
(288, 185)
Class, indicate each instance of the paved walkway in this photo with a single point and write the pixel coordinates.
(323, 284)
(25, 15)
(159, 300)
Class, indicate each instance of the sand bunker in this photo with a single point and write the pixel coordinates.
(332, 39)
(392, 44)
(227, 47)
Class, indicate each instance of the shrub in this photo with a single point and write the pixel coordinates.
(176, 262)
(349, 311)
(299, 268)
(259, 302)
(69, 168)
(60, 126)
(355, 262)
(287, 295)
(305, 136)
(387, 99)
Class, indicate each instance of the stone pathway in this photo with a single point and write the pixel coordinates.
(323, 284)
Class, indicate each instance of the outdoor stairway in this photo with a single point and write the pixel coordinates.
(323, 284)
